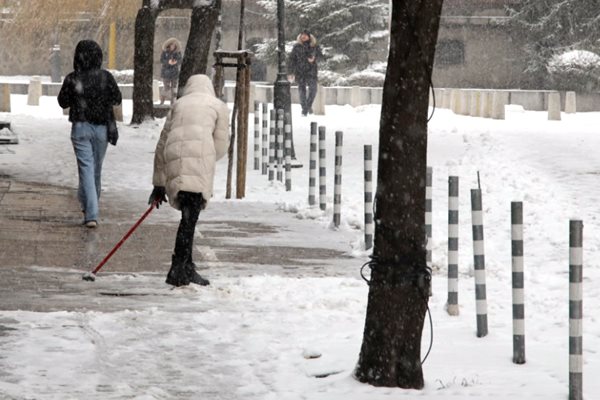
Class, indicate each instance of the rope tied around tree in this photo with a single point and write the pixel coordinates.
(401, 271)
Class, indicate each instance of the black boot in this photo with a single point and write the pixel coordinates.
(193, 276)
(178, 275)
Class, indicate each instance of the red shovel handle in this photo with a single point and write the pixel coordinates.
(129, 232)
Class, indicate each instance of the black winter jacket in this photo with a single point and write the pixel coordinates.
(89, 91)
(298, 60)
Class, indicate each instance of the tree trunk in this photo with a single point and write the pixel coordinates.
(142, 65)
(195, 60)
(398, 292)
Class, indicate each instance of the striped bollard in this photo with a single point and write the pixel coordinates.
(265, 138)
(279, 146)
(452, 306)
(518, 282)
(337, 180)
(272, 136)
(369, 225)
(256, 135)
(428, 209)
(312, 172)
(479, 262)
(575, 310)
(322, 170)
(288, 154)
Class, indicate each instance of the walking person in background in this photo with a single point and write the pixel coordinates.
(170, 60)
(89, 92)
(302, 65)
(195, 136)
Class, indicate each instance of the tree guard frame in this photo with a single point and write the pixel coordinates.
(243, 62)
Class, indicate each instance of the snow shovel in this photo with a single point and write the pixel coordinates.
(91, 276)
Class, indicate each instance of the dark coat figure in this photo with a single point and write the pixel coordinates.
(170, 61)
(89, 92)
(302, 64)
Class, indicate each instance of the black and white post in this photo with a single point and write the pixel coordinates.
(272, 138)
(479, 262)
(428, 210)
(257, 131)
(312, 171)
(280, 133)
(288, 153)
(452, 306)
(322, 170)
(337, 180)
(265, 138)
(518, 282)
(575, 310)
(369, 225)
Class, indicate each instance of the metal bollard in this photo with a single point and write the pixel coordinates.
(322, 170)
(288, 154)
(575, 310)
(428, 210)
(256, 135)
(265, 138)
(452, 306)
(518, 282)
(312, 172)
(369, 225)
(279, 146)
(272, 137)
(337, 180)
(479, 262)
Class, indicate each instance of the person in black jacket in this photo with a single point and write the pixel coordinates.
(302, 65)
(89, 92)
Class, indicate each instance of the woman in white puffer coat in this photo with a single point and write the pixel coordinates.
(195, 136)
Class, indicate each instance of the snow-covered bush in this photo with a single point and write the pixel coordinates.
(577, 70)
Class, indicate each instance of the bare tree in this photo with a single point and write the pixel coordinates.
(399, 284)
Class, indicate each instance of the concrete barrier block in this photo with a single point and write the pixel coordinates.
(344, 95)
(331, 95)
(34, 91)
(319, 103)
(499, 101)
(465, 102)
(554, 106)
(571, 103)
(355, 96)
(485, 110)
(155, 91)
(365, 96)
(474, 103)
(446, 98)
(376, 95)
(4, 97)
(118, 111)
(455, 105)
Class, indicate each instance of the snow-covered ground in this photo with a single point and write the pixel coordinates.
(252, 337)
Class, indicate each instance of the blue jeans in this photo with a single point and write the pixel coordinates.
(89, 143)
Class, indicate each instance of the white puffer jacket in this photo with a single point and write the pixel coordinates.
(195, 136)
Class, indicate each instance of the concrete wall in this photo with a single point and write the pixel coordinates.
(491, 57)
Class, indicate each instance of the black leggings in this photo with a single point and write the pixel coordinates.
(191, 204)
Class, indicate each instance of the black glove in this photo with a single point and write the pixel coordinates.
(158, 196)
(112, 133)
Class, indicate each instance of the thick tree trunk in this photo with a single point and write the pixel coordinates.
(399, 285)
(195, 60)
(142, 65)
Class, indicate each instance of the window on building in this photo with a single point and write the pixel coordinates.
(450, 52)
